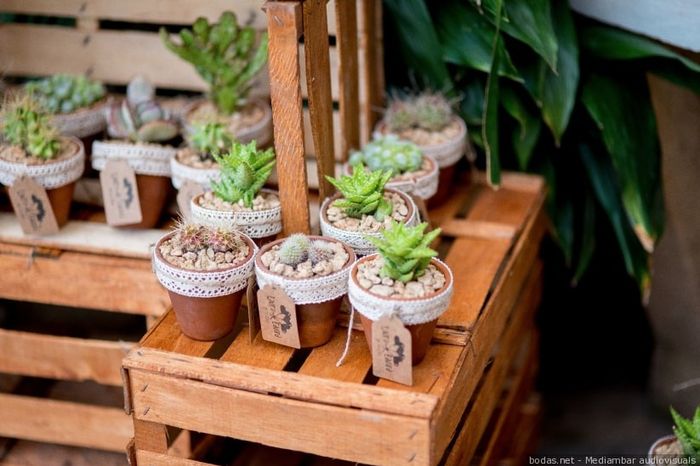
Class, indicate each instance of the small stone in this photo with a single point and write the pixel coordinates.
(210, 253)
(266, 259)
(364, 283)
(190, 256)
(382, 290)
(426, 279)
(278, 268)
(402, 210)
(414, 289)
(387, 281)
(229, 257)
(177, 252)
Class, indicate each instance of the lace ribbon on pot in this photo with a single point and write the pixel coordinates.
(181, 172)
(49, 175)
(410, 311)
(81, 123)
(203, 284)
(423, 187)
(145, 159)
(356, 239)
(254, 223)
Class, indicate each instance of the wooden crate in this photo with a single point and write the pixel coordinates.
(299, 399)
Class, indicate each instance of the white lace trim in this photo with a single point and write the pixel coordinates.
(181, 172)
(203, 284)
(356, 239)
(49, 175)
(81, 123)
(261, 131)
(254, 223)
(445, 154)
(309, 290)
(411, 312)
(423, 187)
(144, 159)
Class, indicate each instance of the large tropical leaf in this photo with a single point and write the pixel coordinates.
(531, 23)
(623, 114)
(490, 128)
(587, 238)
(472, 105)
(529, 125)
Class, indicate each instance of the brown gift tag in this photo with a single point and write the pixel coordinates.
(278, 317)
(187, 192)
(120, 193)
(32, 207)
(391, 350)
(253, 316)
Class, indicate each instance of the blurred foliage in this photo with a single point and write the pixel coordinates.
(547, 91)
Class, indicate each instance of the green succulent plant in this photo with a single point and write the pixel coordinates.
(405, 250)
(429, 110)
(225, 55)
(244, 171)
(211, 138)
(298, 248)
(688, 433)
(363, 193)
(400, 115)
(139, 117)
(389, 153)
(63, 93)
(25, 124)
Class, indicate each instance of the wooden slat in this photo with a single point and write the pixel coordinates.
(170, 338)
(64, 358)
(64, 422)
(151, 436)
(253, 454)
(372, 100)
(464, 227)
(318, 428)
(149, 458)
(260, 353)
(318, 82)
(321, 362)
(348, 95)
(308, 138)
(284, 26)
(81, 280)
(503, 206)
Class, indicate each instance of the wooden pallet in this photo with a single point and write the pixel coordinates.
(299, 399)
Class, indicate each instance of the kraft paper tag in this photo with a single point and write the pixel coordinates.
(391, 350)
(187, 192)
(253, 316)
(278, 317)
(120, 193)
(32, 207)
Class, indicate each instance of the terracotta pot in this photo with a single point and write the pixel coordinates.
(202, 318)
(421, 333)
(154, 192)
(666, 440)
(421, 187)
(260, 131)
(445, 184)
(60, 199)
(316, 321)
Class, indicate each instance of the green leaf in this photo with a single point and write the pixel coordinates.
(623, 113)
(560, 209)
(472, 105)
(587, 238)
(420, 45)
(490, 128)
(531, 23)
(529, 126)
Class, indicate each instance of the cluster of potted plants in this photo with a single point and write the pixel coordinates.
(684, 444)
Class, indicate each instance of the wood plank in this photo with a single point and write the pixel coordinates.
(284, 27)
(319, 429)
(260, 353)
(253, 454)
(166, 336)
(309, 143)
(149, 458)
(64, 422)
(372, 100)
(287, 384)
(502, 206)
(150, 436)
(81, 280)
(321, 362)
(465, 227)
(91, 237)
(318, 72)
(64, 358)
(348, 76)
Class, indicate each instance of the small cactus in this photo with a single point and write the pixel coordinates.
(221, 240)
(211, 138)
(244, 171)
(64, 93)
(139, 117)
(294, 250)
(320, 251)
(400, 115)
(363, 193)
(24, 124)
(428, 110)
(389, 153)
(192, 237)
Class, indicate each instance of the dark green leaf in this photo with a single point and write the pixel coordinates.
(587, 239)
(490, 128)
(531, 22)
(529, 126)
(472, 105)
(674, 72)
(560, 209)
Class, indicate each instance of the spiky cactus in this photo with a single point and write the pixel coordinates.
(25, 125)
(244, 171)
(405, 250)
(139, 117)
(429, 110)
(210, 138)
(687, 432)
(320, 251)
(221, 240)
(400, 115)
(63, 93)
(363, 193)
(225, 55)
(191, 237)
(389, 153)
(294, 250)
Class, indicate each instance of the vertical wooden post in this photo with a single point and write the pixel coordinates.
(346, 41)
(150, 436)
(318, 83)
(370, 42)
(284, 25)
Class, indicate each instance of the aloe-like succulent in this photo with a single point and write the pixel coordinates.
(363, 193)
(25, 124)
(406, 250)
(687, 432)
(211, 138)
(244, 171)
(63, 93)
(429, 110)
(294, 250)
(225, 55)
(139, 117)
(389, 153)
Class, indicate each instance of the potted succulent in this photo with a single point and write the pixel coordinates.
(428, 120)
(412, 172)
(228, 57)
(206, 272)
(363, 207)
(237, 199)
(141, 130)
(196, 162)
(403, 278)
(684, 444)
(31, 146)
(313, 271)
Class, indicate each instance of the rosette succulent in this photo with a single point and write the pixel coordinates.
(363, 193)
(389, 153)
(63, 93)
(25, 124)
(244, 171)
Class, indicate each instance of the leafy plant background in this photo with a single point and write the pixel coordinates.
(545, 90)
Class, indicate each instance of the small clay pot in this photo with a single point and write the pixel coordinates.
(421, 334)
(316, 321)
(61, 199)
(154, 192)
(445, 184)
(666, 440)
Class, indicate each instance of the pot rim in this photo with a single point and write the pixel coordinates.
(257, 126)
(430, 172)
(329, 200)
(76, 148)
(234, 213)
(176, 162)
(660, 441)
(95, 106)
(382, 129)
